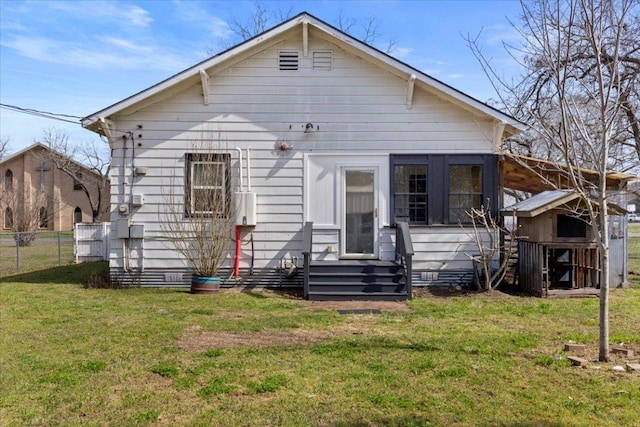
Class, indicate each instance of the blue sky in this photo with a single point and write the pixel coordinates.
(77, 57)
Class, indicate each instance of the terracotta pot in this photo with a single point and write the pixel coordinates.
(204, 284)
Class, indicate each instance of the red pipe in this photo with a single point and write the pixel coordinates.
(236, 264)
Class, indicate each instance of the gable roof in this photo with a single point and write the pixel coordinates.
(548, 200)
(95, 122)
(23, 151)
(40, 145)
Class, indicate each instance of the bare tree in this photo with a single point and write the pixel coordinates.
(493, 251)
(25, 212)
(618, 52)
(366, 29)
(581, 110)
(257, 23)
(198, 216)
(4, 147)
(75, 160)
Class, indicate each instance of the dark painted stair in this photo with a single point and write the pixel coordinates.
(356, 280)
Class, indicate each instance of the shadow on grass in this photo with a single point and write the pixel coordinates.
(420, 421)
(258, 292)
(68, 274)
(448, 291)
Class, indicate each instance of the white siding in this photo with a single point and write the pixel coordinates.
(357, 109)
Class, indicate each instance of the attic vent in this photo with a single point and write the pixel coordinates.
(323, 60)
(288, 61)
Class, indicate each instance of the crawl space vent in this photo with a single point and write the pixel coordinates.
(288, 61)
(323, 60)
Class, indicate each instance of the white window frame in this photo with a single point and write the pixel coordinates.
(221, 186)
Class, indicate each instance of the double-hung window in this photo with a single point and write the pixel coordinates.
(465, 191)
(433, 189)
(410, 193)
(207, 184)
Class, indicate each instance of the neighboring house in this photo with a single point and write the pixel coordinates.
(345, 143)
(29, 177)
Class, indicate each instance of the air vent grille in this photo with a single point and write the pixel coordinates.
(323, 60)
(288, 61)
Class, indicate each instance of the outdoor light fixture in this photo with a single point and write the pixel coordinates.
(308, 128)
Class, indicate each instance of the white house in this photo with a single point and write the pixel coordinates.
(333, 134)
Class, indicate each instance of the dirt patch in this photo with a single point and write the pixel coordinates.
(451, 291)
(323, 305)
(194, 339)
(198, 341)
(590, 354)
(359, 305)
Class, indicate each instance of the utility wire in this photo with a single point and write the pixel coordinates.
(48, 115)
(44, 114)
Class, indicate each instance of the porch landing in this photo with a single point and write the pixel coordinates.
(573, 293)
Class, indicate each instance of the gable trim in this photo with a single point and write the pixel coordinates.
(513, 126)
(204, 80)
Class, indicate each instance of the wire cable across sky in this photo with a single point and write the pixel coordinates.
(46, 114)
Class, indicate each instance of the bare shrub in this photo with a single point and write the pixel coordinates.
(102, 280)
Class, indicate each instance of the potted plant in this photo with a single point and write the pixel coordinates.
(198, 217)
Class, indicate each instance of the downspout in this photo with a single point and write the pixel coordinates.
(125, 246)
(106, 131)
(248, 169)
(239, 168)
(236, 261)
(248, 190)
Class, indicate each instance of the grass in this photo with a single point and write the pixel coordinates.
(43, 253)
(634, 249)
(75, 356)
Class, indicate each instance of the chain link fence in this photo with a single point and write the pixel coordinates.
(29, 251)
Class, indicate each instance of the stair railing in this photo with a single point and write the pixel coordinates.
(404, 253)
(307, 240)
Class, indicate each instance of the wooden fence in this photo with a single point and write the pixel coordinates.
(92, 241)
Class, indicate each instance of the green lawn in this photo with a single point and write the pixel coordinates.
(634, 250)
(44, 252)
(73, 356)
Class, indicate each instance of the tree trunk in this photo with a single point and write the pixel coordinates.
(603, 353)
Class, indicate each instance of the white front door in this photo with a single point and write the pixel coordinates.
(359, 234)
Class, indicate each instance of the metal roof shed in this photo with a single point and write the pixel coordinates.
(557, 253)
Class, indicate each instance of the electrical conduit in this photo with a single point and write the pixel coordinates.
(236, 262)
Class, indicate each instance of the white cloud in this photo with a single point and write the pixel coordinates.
(401, 52)
(431, 71)
(120, 12)
(119, 43)
(192, 13)
(117, 53)
(219, 28)
(455, 76)
(13, 26)
(499, 34)
(138, 16)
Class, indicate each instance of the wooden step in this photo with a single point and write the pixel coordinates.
(357, 280)
(357, 296)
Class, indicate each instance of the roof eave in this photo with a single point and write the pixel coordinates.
(189, 73)
(44, 147)
(512, 127)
